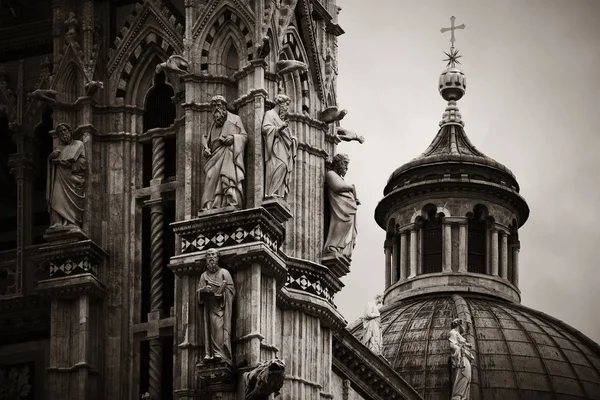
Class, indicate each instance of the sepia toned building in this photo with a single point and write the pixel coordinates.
(175, 223)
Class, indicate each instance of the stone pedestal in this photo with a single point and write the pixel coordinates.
(337, 263)
(217, 377)
(75, 288)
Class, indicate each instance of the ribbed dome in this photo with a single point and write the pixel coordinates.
(520, 353)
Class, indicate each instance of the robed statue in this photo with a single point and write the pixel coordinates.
(66, 180)
(215, 297)
(224, 146)
(343, 204)
(280, 149)
(460, 360)
(372, 337)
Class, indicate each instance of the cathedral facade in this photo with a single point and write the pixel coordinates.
(167, 232)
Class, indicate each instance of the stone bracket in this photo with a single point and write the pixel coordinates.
(337, 263)
(218, 377)
(312, 278)
(71, 287)
(74, 258)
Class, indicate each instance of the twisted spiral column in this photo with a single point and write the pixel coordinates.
(156, 267)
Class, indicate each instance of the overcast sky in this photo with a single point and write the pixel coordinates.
(533, 72)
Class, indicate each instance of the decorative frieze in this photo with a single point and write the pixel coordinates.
(312, 278)
(229, 229)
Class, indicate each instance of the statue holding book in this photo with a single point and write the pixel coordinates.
(215, 297)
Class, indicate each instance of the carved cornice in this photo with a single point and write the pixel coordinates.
(312, 305)
(312, 278)
(71, 286)
(369, 373)
(315, 123)
(410, 193)
(74, 258)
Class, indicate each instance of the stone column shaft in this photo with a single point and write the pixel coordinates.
(462, 247)
(395, 261)
(420, 251)
(447, 258)
(515, 265)
(388, 262)
(503, 255)
(494, 253)
(403, 256)
(413, 253)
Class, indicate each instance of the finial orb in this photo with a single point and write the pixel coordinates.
(452, 84)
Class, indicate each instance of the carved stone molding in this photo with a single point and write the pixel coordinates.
(312, 278)
(312, 305)
(230, 229)
(218, 377)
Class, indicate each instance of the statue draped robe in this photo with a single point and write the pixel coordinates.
(461, 367)
(280, 155)
(342, 226)
(372, 337)
(65, 189)
(224, 169)
(218, 312)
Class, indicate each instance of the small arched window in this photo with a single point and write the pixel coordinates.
(159, 108)
(477, 248)
(432, 242)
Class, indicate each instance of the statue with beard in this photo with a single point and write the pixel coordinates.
(280, 148)
(224, 145)
(343, 205)
(66, 180)
(215, 297)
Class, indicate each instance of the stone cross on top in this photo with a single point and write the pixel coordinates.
(452, 29)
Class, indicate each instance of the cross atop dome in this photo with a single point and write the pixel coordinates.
(452, 29)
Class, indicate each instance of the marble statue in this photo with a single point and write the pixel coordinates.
(224, 146)
(372, 337)
(264, 380)
(280, 148)
(461, 359)
(343, 205)
(215, 297)
(66, 180)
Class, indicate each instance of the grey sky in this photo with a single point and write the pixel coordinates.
(533, 79)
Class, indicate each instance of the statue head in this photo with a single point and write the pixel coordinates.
(457, 323)
(64, 133)
(379, 299)
(283, 103)
(219, 105)
(339, 164)
(212, 260)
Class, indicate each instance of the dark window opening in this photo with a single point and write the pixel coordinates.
(432, 243)
(476, 255)
(159, 108)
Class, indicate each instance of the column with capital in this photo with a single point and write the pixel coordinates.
(494, 251)
(503, 254)
(403, 255)
(515, 263)
(387, 247)
(462, 247)
(413, 252)
(447, 255)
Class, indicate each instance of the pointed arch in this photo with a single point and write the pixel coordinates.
(142, 77)
(150, 41)
(227, 21)
(293, 49)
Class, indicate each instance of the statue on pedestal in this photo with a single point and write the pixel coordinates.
(372, 337)
(224, 146)
(280, 148)
(66, 180)
(215, 297)
(343, 205)
(460, 358)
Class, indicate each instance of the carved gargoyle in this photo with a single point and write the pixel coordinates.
(176, 64)
(288, 66)
(92, 87)
(43, 95)
(265, 379)
(263, 48)
(332, 114)
(347, 135)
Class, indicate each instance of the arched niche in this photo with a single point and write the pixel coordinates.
(477, 240)
(72, 83)
(432, 236)
(292, 48)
